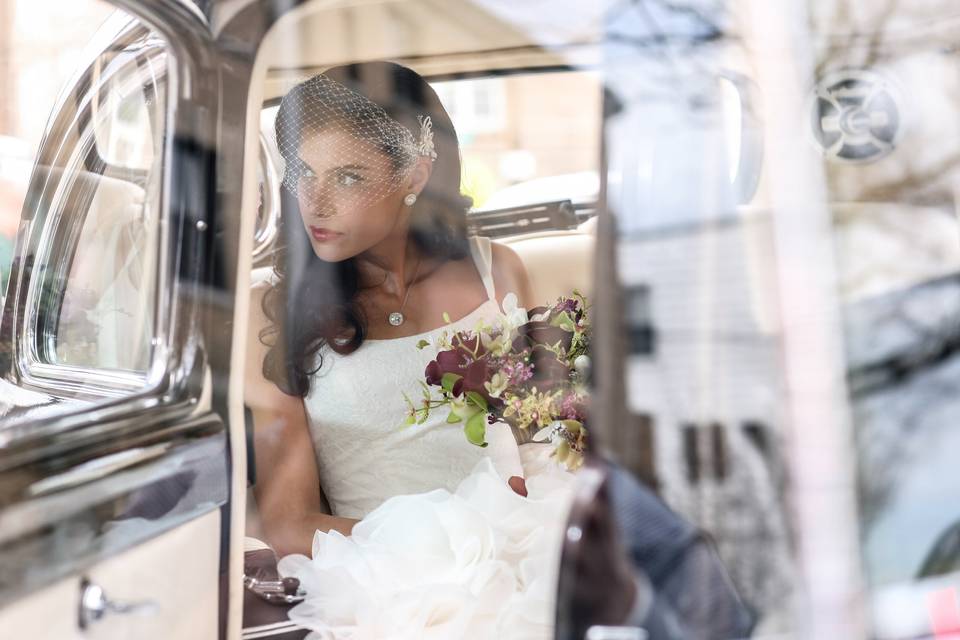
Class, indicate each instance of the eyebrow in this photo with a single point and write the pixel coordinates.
(355, 167)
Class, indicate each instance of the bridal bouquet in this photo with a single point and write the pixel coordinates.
(526, 369)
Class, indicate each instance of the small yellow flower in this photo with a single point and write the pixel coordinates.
(497, 385)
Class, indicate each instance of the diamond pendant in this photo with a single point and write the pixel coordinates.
(396, 318)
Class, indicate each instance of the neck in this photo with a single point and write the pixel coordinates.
(389, 266)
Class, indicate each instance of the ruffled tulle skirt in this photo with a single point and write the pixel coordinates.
(477, 563)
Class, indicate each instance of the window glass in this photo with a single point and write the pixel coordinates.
(450, 138)
(792, 211)
(106, 318)
(39, 48)
(129, 111)
(781, 178)
(90, 254)
(523, 140)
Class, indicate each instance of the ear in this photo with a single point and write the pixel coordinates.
(420, 175)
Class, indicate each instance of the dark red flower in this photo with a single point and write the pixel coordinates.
(449, 361)
(432, 373)
(474, 375)
(472, 346)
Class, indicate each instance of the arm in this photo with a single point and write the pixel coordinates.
(288, 484)
(509, 274)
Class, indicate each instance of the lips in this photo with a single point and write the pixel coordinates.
(322, 234)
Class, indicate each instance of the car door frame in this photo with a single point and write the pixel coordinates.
(179, 419)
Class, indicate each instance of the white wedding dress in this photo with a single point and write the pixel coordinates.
(445, 549)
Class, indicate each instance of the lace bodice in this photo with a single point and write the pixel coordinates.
(356, 412)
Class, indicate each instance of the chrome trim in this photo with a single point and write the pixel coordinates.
(95, 469)
(128, 423)
(95, 605)
(76, 380)
(68, 529)
(179, 362)
(33, 355)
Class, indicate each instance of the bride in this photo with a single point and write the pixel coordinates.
(393, 531)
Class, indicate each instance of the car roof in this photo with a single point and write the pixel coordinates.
(438, 40)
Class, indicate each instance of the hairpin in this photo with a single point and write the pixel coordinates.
(425, 146)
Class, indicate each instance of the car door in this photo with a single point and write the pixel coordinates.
(117, 482)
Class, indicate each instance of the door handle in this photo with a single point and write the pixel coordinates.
(94, 605)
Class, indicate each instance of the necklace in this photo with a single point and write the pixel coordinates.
(396, 318)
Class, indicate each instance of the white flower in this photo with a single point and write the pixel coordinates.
(514, 316)
(497, 385)
(550, 433)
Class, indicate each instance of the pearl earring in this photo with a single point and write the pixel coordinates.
(410, 199)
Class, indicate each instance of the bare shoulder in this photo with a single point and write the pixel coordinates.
(510, 274)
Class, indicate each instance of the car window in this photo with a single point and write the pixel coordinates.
(350, 153)
(782, 185)
(106, 317)
(90, 252)
(37, 63)
(512, 156)
(797, 249)
(524, 140)
(131, 110)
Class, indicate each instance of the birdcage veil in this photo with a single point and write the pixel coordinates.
(363, 133)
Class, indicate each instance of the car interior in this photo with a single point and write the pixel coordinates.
(707, 275)
(554, 237)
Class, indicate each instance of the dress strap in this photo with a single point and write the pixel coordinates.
(482, 254)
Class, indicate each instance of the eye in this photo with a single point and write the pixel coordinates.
(347, 179)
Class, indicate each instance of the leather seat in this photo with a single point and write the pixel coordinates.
(558, 261)
(107, 319)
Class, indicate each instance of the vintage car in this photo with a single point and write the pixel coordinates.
(758, 198)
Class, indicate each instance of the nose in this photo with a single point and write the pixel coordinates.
(313, 204)
(322, 213)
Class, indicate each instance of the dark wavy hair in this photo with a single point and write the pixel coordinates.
(311, 302)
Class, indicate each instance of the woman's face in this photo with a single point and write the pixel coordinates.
(349, 198)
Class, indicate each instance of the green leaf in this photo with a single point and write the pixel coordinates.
(477, 399)
(563, 316)
(423, 344)
(448, 380)
(463, 409)
(476, 429)
(453, 418)
(446, 317)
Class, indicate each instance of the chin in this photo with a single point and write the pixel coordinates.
(332, 254)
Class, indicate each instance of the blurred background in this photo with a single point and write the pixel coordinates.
(40, 47)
